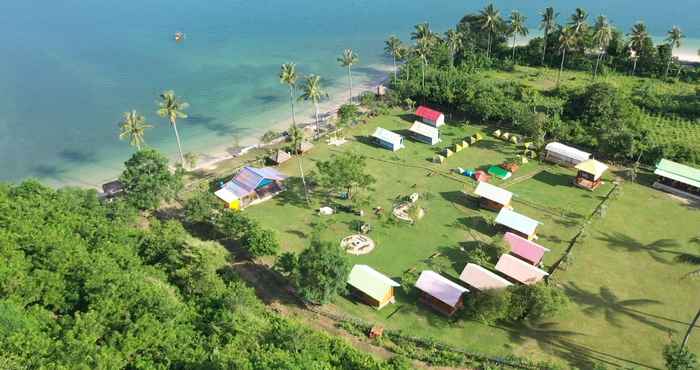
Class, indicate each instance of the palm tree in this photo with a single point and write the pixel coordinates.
(579, 21)
(567, 40)
(422, 51)
(133, 126)
(601, 37)
(288, 76)
(406, 54)
(393, 48)
(517, 27)
(690, 329)
(296, 136)
(422, 33)
(348, 59)
(490, 21)
(313, 92)
(548, 23)
(638, 36)
(455, 43)
(674, 41)
(173, 108)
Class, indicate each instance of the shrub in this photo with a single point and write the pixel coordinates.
(679, 358)
(323, 271)
(260, 242)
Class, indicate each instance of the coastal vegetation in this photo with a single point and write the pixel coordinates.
(172, 108)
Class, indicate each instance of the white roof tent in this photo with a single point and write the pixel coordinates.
(388, 139)
(564, 154)
(425, 133)
(493, 193)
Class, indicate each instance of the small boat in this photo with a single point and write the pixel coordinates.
(179, 36)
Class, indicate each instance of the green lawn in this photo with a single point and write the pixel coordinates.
(627, 294)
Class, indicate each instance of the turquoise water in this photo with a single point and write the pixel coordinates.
(70, 68)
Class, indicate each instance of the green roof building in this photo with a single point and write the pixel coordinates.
(678, 179)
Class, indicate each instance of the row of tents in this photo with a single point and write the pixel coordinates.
(425, 131)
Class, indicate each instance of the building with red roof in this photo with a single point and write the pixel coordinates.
(430, 116)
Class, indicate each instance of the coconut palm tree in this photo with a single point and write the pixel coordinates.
(422, 51)
(422, 33)
(313, 92)
(348, 59)
(567, 40)
(172, 108)
(454, 40)
(133, 127)
(406, 54)
(637, 36)
(579, 21)
(288, 76)
(548, 23)
(393, 47)
(674, 41)
(692, 324)
(603, 34)
(517, 27)
(490, 21)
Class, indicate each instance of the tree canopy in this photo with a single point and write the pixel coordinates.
(344, 172)
(148, 181)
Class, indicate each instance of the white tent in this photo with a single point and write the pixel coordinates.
(564, 154)
(388, 139)
(425, 133)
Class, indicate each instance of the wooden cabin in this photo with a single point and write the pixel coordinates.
(112, 189)
(439, 293)
(250, 186)
(590, 174)
(678, 179)
(482, 279)
(371, 287)
(492, 197)
(517, 223)
(564, 155)
(520, 270)
(430, 116)
(527, 250)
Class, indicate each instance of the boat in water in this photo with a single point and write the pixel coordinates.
(179, 36)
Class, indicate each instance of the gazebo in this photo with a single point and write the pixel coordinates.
(590, 174)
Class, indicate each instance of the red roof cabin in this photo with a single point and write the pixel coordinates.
(430, 116)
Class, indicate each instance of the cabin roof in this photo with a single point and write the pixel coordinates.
(370, 281)
(493, 193)
(679, 172)
(481, 278)
(524, 248)
(427, 113)
(281, 156)
(593, 167)
(519, 270)
(440, 287)
(516, 221)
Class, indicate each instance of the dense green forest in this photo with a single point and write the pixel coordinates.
(86, 285)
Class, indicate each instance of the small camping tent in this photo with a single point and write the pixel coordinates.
(440, 293)
(430, 116)
(388, 139)
(371, 286)
(564, 154)
(424, 133)
(280, 157)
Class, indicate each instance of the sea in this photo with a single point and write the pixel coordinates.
(70, 68)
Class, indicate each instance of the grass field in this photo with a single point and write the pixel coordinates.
(624, 283)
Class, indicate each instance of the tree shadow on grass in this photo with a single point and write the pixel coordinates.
(559, 343)
(606, 303)
(456, 256)
(655, 249)
(553, 179)
(461, 198)
(477, 223)
(293, 193)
